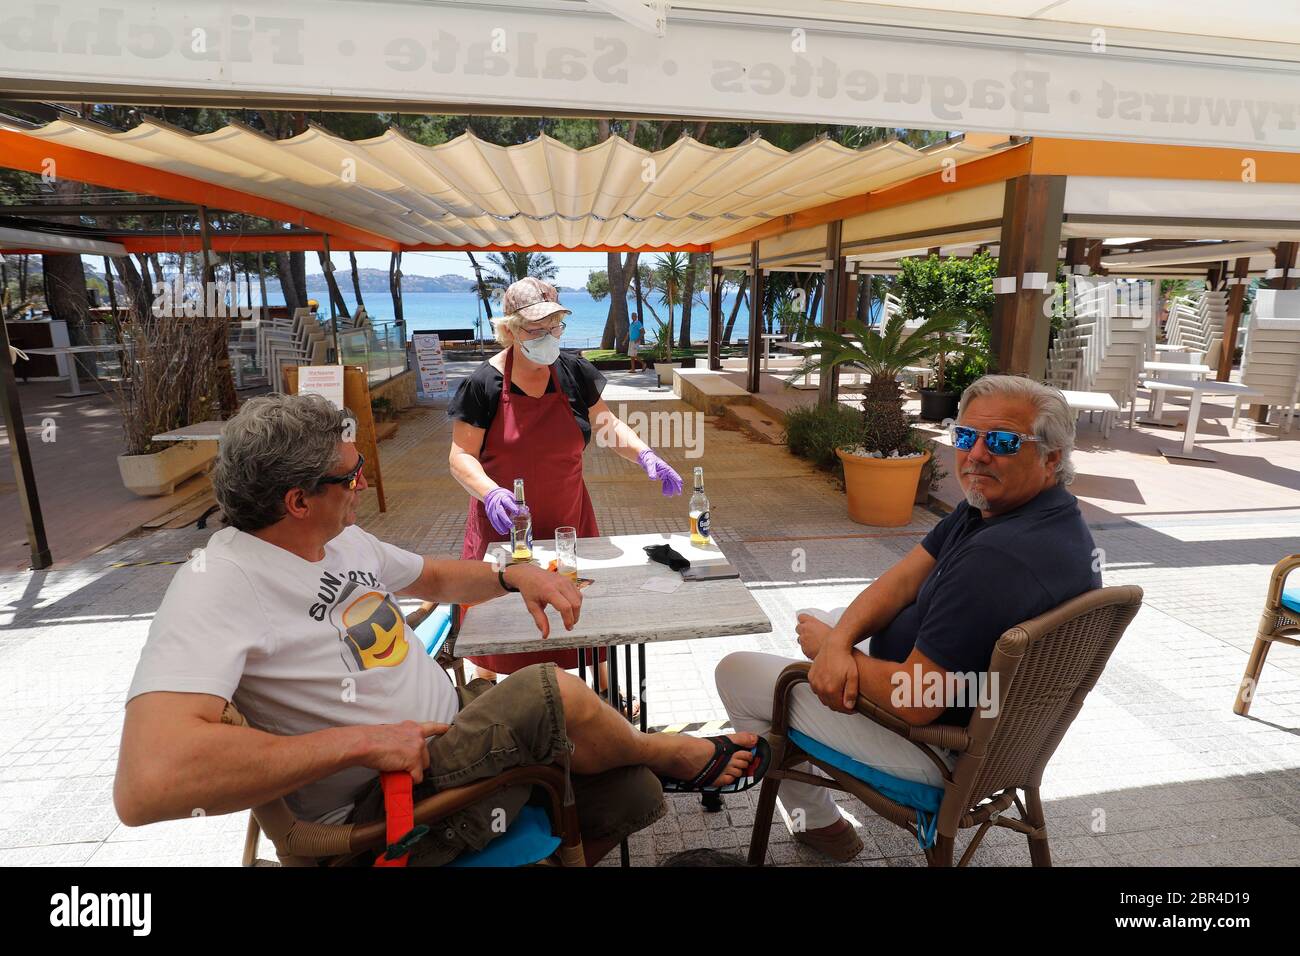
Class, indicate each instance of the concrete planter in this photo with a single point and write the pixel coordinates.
(161, 472)
(665, 371)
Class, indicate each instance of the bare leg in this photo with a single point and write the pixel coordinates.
(603, 739)
(484, 673)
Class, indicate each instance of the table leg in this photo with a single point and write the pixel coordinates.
(75, 382)
(1189, 449)
(645, 710)
(627, 670)
(1193, 417)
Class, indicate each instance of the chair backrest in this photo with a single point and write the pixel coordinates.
(1039, 675)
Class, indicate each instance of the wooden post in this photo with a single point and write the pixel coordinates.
(1286, 261)
(1028, 249)
(715, 316)
(833, 310)
(1236, 298)
(755, 321)
(29, 501)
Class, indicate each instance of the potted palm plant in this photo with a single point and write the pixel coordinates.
(882, 469)
(664, 363)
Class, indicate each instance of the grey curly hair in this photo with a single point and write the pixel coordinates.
(273, 444)
(1054, 423)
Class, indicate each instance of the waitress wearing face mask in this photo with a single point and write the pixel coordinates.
(529, 412)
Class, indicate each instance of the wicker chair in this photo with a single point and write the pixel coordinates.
(1044, 669)
(302, 843)
(1279, 623)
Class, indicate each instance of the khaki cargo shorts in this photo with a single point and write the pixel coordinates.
(516, 723)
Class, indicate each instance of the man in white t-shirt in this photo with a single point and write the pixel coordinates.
(291, 613)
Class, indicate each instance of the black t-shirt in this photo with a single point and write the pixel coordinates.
(477, 397)
(989, 576)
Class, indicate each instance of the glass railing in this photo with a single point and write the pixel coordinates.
(379, 348)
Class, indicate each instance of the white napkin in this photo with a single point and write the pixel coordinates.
(663, 583)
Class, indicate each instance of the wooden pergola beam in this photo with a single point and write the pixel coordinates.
(1028, 249)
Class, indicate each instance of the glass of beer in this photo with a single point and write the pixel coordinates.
(566, 552)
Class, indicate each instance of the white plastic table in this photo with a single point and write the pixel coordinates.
(616, 608)
(1091, 402)
(199, 431)
(72, 351)
(801, 348)
(768, 339)
(1196, 390)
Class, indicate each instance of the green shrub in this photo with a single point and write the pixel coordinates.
(815, 432)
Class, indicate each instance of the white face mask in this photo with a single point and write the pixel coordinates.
(543, 351)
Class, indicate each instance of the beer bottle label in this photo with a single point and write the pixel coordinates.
(703, 524)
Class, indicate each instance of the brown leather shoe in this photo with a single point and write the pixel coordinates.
(841, 847)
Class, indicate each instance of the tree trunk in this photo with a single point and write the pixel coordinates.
(735, 309)
(616, 325)
(395, 284)
(298, 263)
(138, 293)
(356, 281)
(327, 267)
(694, 264)
(811, 315)
(284, 270)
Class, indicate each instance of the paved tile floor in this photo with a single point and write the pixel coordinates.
(1155, 771)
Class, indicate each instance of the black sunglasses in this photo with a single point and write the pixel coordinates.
(350, 479)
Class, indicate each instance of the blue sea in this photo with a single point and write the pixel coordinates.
(430, 311)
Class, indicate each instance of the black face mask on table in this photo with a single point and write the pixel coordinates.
(664, 554)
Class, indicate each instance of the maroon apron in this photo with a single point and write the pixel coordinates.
(538, 440)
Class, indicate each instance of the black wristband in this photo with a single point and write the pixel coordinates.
(501, 576)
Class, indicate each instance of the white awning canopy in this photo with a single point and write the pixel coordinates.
(541, 194)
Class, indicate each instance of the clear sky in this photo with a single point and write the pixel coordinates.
(574, 266)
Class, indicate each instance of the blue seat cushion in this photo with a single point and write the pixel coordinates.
(433, 630)
(1291, 598)
(529, 840)
(924, 798)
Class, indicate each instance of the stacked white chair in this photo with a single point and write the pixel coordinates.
(1270, 359)
(302, 341)
(1107, 335)
(1196, 324)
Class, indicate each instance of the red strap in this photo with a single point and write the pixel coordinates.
(399, 807)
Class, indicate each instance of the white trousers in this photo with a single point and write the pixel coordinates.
(746, 681)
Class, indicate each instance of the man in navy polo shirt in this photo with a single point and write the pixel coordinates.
(1014, 549)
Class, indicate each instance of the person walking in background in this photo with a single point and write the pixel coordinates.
(635, 330)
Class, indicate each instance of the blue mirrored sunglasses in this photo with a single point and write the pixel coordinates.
(997, 441)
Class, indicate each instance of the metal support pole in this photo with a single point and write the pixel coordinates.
(755, 320)
(20, 455)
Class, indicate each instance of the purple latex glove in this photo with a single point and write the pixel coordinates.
(501, 509)
(659, 470)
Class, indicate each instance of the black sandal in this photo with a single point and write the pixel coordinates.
(723, 749)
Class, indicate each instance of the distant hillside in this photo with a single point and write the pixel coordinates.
(376, 280)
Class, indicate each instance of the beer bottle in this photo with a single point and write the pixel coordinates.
(521, 527)
(699, 510)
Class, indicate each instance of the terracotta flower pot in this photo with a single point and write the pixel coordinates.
(881, 491)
